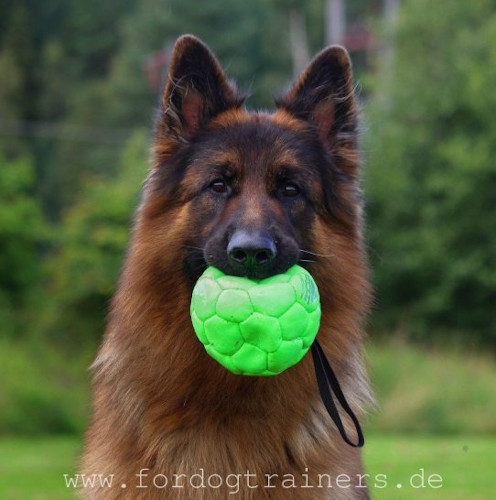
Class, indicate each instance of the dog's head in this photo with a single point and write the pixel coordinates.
(251, 185)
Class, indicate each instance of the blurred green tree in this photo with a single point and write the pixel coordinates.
(85, 67)
(91, 243)
(22, 232)
(53, 57)
(432, 177)
(246, 36)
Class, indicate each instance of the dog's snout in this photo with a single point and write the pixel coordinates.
(250, 250)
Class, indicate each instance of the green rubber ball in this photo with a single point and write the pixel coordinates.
(256, 327)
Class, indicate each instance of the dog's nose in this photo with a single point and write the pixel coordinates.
(250, 249)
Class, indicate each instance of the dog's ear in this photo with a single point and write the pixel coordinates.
(196, 89)
(324, 96)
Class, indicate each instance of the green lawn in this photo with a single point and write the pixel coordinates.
(32, 469)
(466, 464)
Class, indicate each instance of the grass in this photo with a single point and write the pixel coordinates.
(432, 391)
(436, 412)
(43, 391)
(466, 465)
(32, 469)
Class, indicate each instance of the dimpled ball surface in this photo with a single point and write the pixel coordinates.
(256, 327)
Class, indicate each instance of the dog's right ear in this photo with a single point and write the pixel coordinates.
(196, 90)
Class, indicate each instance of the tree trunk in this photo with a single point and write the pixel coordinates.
(299, 41)
(390, 13)
(389, 16)
(335, 17)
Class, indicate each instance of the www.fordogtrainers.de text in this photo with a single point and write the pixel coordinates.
(235, 482)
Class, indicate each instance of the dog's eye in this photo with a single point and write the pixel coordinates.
(218, 186)
(290, 189)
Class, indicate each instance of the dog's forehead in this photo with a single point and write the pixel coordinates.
(257, 139)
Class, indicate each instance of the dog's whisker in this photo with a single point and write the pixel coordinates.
(307, 260)
(316, 254)
(193, 247)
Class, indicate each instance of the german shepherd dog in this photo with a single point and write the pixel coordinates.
(251, 193)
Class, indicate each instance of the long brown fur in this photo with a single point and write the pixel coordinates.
(160, 402)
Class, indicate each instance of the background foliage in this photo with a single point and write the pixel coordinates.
(79, 84)
(432, 177)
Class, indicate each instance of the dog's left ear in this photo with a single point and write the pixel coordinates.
(323, 95)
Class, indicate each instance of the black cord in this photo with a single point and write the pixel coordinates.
(327, 382)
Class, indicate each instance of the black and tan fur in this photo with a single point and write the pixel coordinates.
(160, 402)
